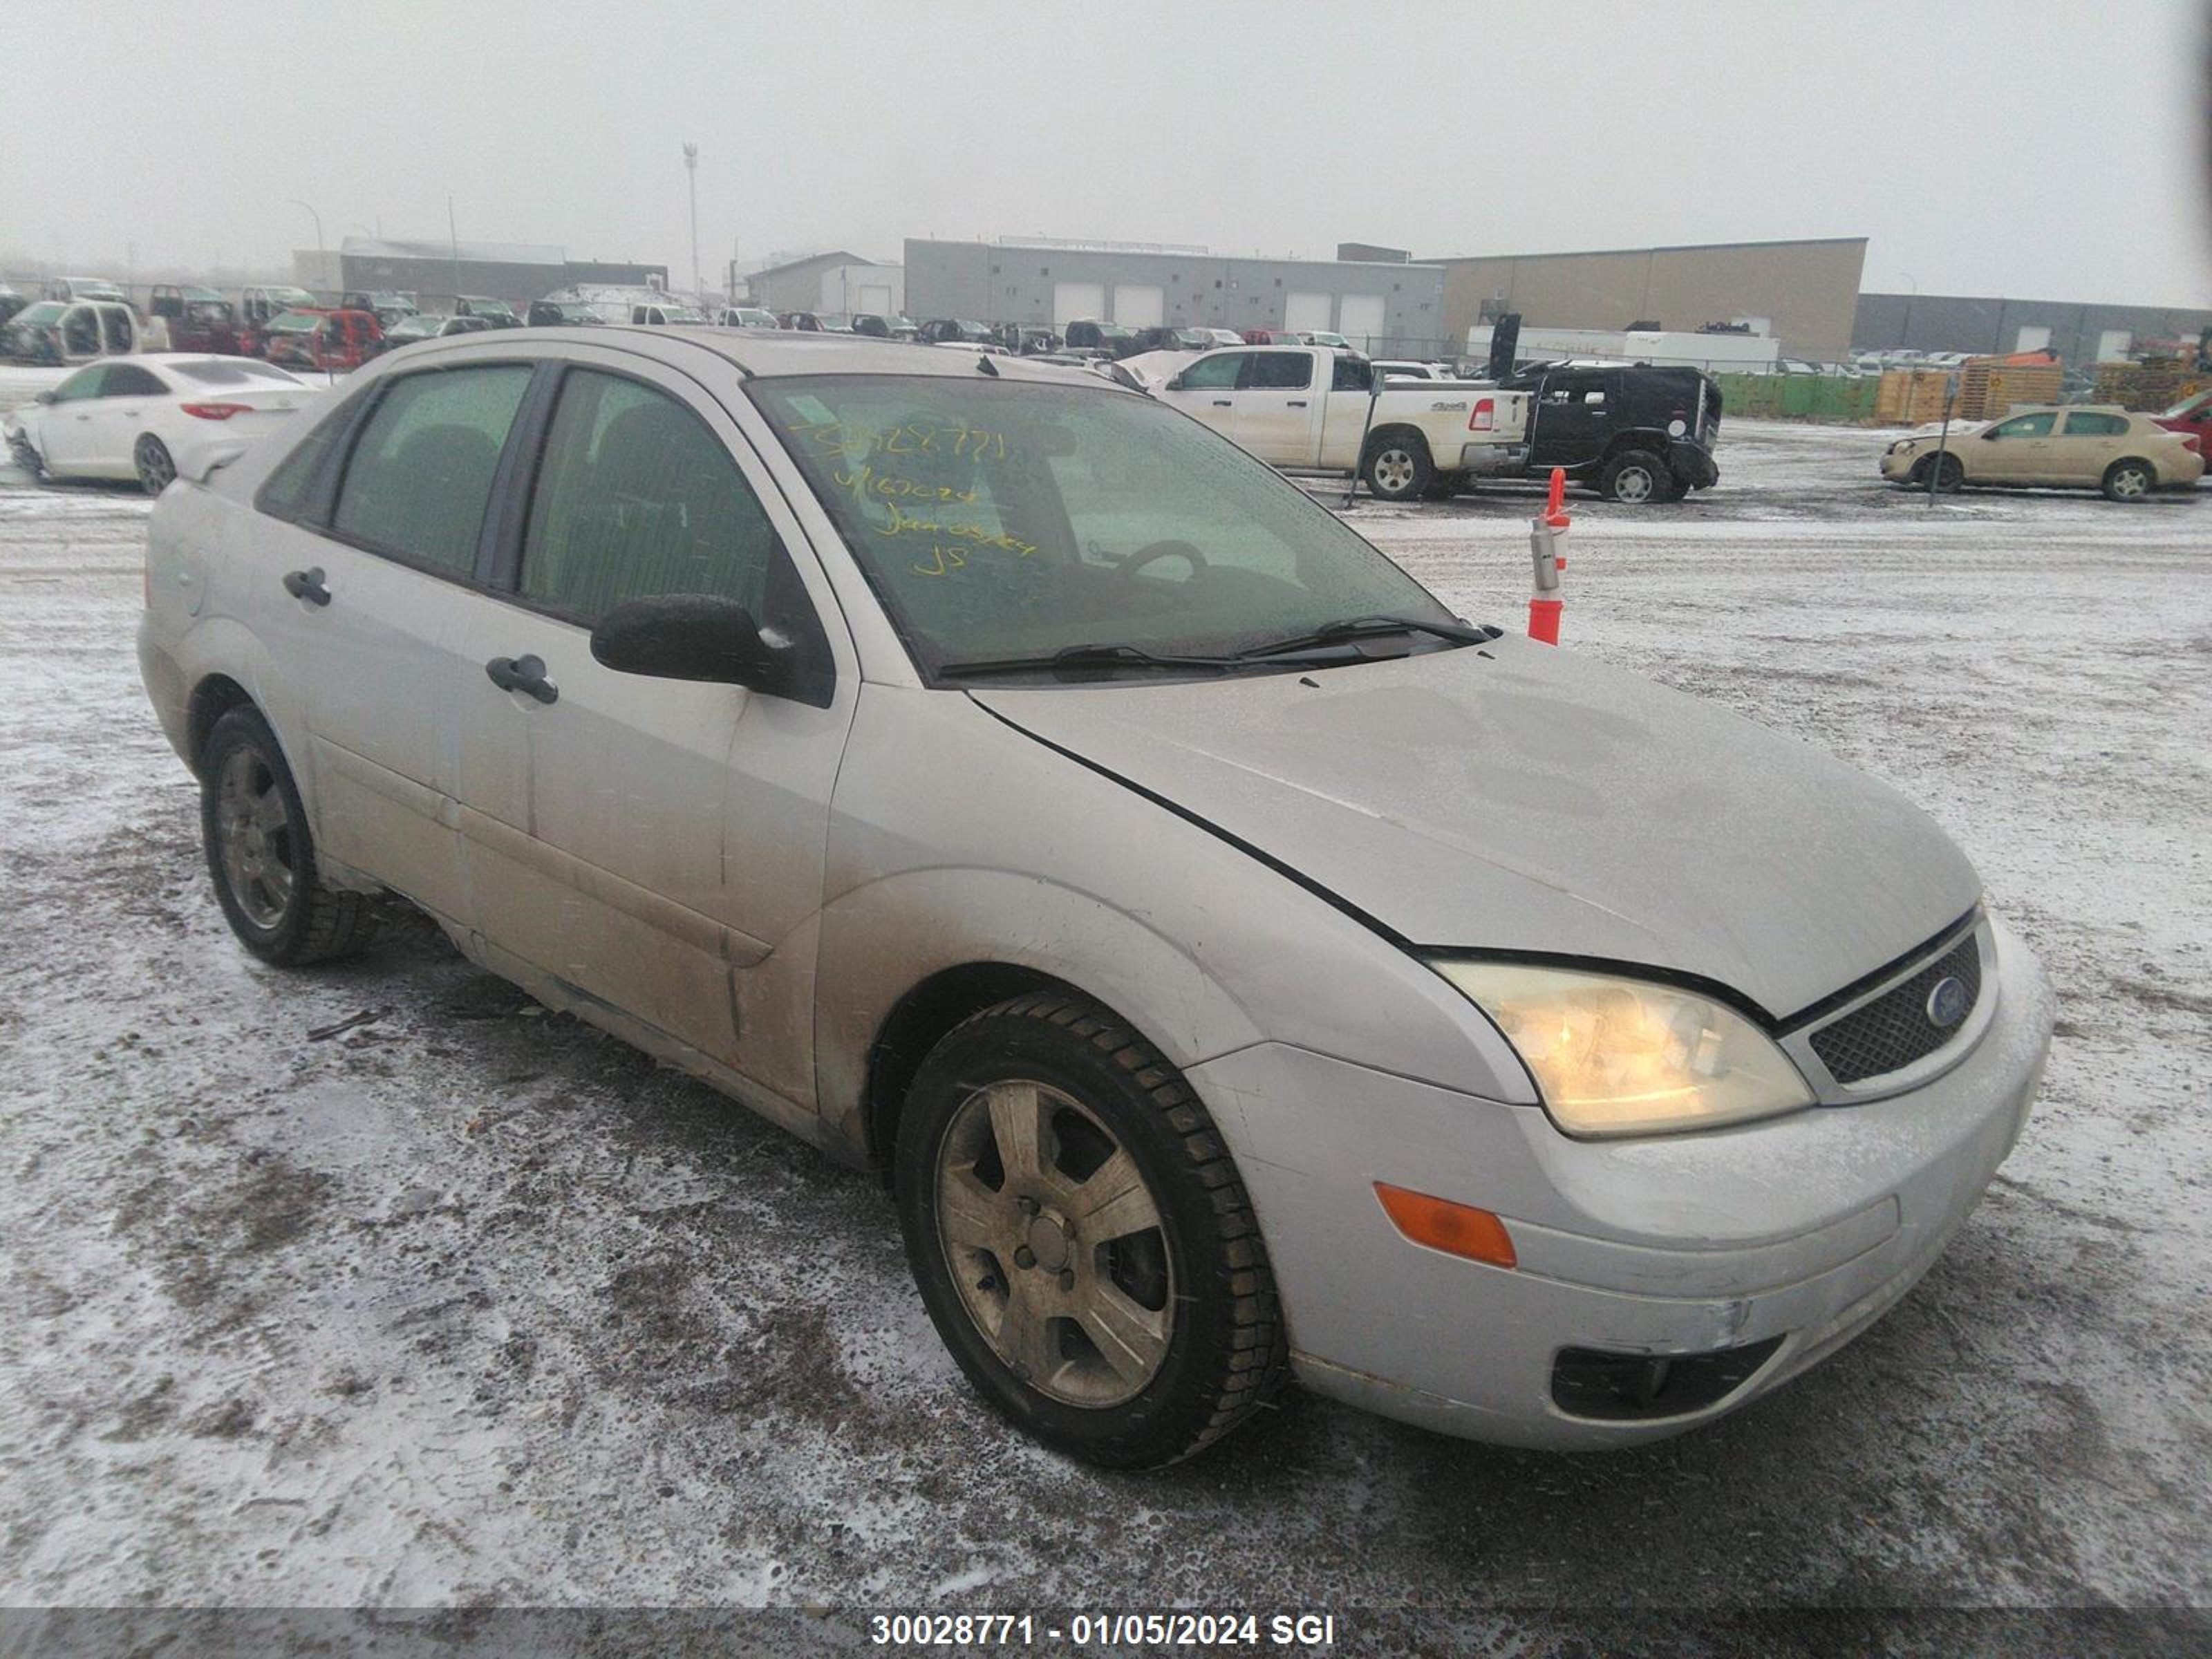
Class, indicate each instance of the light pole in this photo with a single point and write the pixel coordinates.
(322, 258)
(691, 167)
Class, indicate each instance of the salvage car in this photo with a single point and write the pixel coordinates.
(68, 289)
(60, 331)
(1310, 409)
(893, 327)
(1635, 433)
(1239, 965)
(257, 307)
(197, 319)
(497, 312)
(745, 317)
(132, 418)
(2085, 447)
(2191, 417)
(571, 314)
(430, 325)
(329, 342)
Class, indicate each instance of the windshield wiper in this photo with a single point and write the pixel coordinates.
(1085, 656)
(1363, 628)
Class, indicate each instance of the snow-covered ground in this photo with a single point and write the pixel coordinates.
(463, 1302)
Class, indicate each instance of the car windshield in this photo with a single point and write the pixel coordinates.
(45, 311)
(230, 371)
(1005, 520)
(2197, 403)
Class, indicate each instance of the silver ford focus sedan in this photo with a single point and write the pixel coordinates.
(1240, 966)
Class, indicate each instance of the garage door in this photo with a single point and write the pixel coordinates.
(875, 302)
(2113, 345)
(1304, 312)
(1138, 306)
(1363, 320)
(1077, 301)
(2031, 338)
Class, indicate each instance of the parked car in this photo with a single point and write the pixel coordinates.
(1026, 340)
(135, 416)
(953, 330)
(257, 307)
(390, 306)
(2191, 417)
(1322, 336)
(1634, 433)
(68, 289)
(666, 315)
(2090, 446)
(198, 319)
(329, 341)
(497, 312)
(804, 322)
(1240, 965)
(11, 301)
(746, 317)
(60, 331)
(834, 322)
(1172, 337)
(430, 325)
(1223, 336)
(884, 328)
(1115, 339)
(1307, 408)
(1281, 336)
(568, 313)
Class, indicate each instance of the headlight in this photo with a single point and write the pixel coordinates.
(1630, 1057)
(1903, 446)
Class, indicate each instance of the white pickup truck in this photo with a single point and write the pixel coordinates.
(1305, 409)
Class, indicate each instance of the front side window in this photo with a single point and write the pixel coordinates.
(2025, 426)
(1216, 374)
(1006, 520)
(420, 471)
(636, 498)
(85, 383)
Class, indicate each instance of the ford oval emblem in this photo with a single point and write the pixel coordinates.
(1948, 1002)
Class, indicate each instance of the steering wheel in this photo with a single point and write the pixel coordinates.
(1170, 549)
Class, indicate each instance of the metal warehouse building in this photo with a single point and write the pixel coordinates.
(1803, 293)
(437, 272)
(2080, 334)
(840, 283)
(1386, 307)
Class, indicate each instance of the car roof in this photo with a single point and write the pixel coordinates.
(762, 353)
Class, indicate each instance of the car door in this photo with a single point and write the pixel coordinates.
(64, 426)
(2018, 451)
(656, 845)
(1276, 401)
(119, 414)
(1205, 389)
(2090, 441)
(1574, 418)
(364, 605)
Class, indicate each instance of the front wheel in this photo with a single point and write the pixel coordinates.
(2130, 481)
(261, 855)
(1080, 1236)
(1950, 473)
(1397, 467)
(156, 470)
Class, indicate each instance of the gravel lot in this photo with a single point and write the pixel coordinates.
(467, 1304)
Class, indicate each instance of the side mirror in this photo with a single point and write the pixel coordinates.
(698, 636)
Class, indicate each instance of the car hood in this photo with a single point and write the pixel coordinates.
(1521, 797)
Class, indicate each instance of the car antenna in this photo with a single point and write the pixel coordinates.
(984, 363)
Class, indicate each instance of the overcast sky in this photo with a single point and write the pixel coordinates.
(2034, 148)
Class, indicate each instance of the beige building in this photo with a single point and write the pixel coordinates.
(1805, 293)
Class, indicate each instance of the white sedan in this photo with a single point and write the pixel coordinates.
(148, 416)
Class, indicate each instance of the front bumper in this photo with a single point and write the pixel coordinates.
(1800, 1230)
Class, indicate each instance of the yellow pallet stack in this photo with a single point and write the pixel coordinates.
(1990, 388)
(1912, 397)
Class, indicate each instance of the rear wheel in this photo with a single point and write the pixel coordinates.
(261, 855)
(1635, 476)
(155, 470)
(2129, 480)
(1080, 1236)
(1397, 467)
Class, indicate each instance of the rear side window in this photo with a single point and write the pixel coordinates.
(635, 498)
(1281, 371)
(420, 474)
(2096, 426)
(129, 380)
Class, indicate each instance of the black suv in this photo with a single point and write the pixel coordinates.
(1635, 433)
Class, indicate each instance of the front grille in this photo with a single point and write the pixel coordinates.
(1891, 1032)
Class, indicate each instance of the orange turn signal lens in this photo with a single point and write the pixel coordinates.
(1454, 1229)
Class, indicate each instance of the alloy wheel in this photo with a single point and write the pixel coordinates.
(254, 836)
(1055, 1243)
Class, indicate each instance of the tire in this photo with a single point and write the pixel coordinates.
(260, 854)
(1016, 1280)
(1634, 477)
(2130, 479)
(156, 470)
(1397, 467)
(1675, 488)
(1951, 476)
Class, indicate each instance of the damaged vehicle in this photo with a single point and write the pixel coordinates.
(1240, 967)
(197, 319)
(327, 342)
(56, 332)
(146, 417)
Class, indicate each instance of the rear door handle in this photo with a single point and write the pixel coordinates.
(1296, 403)
(1219, 403)
(523, 674)
(307, 585)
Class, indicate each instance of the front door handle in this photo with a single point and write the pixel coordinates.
(307, 585)
(523, 674)
(1223, 402)
(1297, 403)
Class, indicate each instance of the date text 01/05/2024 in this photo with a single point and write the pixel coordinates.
(1180, 1629)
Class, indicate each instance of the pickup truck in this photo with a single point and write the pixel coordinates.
(1304, 407)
